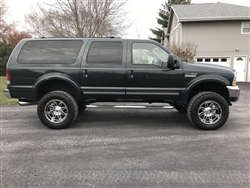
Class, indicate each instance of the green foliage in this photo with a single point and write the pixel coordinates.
(163, 18)
(4, 101)
(5, 51)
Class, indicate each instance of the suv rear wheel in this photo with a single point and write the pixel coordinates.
(208, 110)
(57, 109)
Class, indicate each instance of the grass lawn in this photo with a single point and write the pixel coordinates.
(4, 100)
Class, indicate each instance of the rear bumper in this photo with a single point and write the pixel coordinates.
(234, 93)
(7, 93)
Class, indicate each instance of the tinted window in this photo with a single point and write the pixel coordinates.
(53, 51)
(105, 53)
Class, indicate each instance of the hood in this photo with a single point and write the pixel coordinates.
(207, 67)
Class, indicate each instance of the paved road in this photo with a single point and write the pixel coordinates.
(125, 148)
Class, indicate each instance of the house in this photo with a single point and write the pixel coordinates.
(220, 31)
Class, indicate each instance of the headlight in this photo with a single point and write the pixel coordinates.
(234, 80)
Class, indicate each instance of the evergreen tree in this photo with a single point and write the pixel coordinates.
(5, 50)
(163, 18)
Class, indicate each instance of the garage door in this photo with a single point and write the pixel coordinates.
(225, 61)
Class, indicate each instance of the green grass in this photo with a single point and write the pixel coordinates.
(4, 101)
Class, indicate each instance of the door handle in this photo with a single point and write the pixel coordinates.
(130, 74)
(85, 74)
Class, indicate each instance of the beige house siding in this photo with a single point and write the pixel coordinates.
(214, 40)
(216, 37)
(174, 32)
(217, 34)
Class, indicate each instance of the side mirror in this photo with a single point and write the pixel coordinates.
(172, 62)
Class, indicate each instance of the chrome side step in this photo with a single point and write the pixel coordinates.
(112, 105)
(130, 106)
(24, 103)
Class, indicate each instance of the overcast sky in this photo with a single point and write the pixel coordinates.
(142, 13)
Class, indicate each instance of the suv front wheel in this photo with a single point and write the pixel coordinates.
(57, 109)
(208, 110)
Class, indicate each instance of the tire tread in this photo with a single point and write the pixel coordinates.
(60, 94)
(205, 94)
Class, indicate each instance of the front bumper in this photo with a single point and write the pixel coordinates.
(234, 93)
(7, 93)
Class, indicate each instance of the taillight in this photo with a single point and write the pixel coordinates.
(8, 76)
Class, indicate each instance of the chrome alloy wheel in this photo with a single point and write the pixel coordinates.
(56, 111)
(209, 112)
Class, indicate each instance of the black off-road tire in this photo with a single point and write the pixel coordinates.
(181, 109)
(196, 103)
(58, 103)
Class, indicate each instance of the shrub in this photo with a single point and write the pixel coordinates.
(185, 51)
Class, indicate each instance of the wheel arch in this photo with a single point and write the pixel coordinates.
(57, 82)
(213, 85)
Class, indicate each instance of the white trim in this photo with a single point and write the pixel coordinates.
(176, 27)
(248, 68)
(181, 30)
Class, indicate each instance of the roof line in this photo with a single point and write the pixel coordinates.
(214, 19)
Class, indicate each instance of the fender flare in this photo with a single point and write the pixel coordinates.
(60, 77)
(183, 98)
(207, 78)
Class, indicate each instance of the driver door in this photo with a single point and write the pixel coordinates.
(146, 80)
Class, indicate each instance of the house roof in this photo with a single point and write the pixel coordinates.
(211, 11)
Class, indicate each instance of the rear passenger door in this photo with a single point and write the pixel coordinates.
(103, 70)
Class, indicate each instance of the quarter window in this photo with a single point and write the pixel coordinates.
(149, 54)
(50, 52)
(105, 53)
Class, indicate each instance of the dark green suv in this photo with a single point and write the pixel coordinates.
(63, 75)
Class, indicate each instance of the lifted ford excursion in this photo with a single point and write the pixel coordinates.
(63, 75)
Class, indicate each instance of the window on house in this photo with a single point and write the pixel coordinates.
(207, 60)
(245, 27)
(215, 60)
(224, 60)
(199, 60)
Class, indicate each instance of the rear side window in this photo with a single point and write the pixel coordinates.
(50, 52)
(105, 53)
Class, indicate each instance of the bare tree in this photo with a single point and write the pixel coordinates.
(186, 51)
(79, 18)
(16, 36)
(5, 29)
